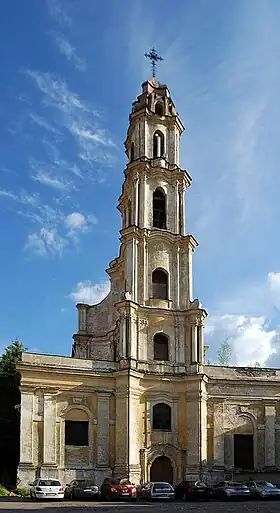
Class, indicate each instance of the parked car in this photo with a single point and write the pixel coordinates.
(227, 490)
(46, 489)
(113, 488)
(263, 490)
(158, 490)
(81, 489)
(193, 490)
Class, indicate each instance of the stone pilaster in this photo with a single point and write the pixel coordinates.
(218, 435)
(49, 431)
(196, 399)
(269, 436)
(103, 430)
(26, 471)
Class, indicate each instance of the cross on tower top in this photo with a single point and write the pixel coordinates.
(154, 58)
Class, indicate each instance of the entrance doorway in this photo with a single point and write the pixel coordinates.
(244, 452)
(161, 470)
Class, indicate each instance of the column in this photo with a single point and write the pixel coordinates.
(194, 343)
(176, 210)
(26, 428)
(200, 343)
(158, 145)
(136, 201)
(103, 430)
(135, 267)
(82, 317)
(218, 435)
(269, 436)
(49, 439)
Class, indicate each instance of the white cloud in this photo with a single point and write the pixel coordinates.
(51, 181)
(43, 123)
(77, 117)
(246, 320)
(90, 293)
(45, 242)
(59, 13)
(76, 221)
(69, 51)
(250, 337)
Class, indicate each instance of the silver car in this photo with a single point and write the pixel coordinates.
(158, 490)
(227, 490)
(263, 490)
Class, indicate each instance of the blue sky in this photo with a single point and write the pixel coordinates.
(70, 71)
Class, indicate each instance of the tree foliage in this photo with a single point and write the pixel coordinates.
(224, 353)
(9, 414)
(9, 360)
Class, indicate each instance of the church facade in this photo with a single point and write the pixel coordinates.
(136, 398)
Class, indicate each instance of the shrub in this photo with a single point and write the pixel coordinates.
(3, 492)
(23, 492)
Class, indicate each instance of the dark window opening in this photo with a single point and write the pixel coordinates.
(159, 210)
(162, 417)
(161, 347)
(158, 146)
(76, 432)
(160, 284)
(132, 152)
(129, 213)
(244, 452)
(159, 108)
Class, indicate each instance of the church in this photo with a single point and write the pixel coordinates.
(136, 399)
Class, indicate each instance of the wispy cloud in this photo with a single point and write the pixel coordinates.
(42, 122)
(45, 242)
(68, 51)
(50, 181)
(90, 293)
(59, 12)
(77, 117)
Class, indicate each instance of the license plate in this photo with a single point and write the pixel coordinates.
(125, 493)
(51, 494)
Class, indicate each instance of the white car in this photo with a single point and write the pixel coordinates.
(46, 489)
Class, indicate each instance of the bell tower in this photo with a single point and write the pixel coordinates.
(156, 253)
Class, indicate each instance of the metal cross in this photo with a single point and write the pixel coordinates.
(154, 58)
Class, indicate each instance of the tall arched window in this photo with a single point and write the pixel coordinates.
(132, 152)
(159, 108)
(162, 417)
(158, 144)
(160, 284)
(159, 209)
(161, 349)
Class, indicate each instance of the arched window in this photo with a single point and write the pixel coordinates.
(158, 145)
(161, 350)
(76, 428)
(132, 152)
(159, 108)
(162, 417)
(160, 284)
(159, 209)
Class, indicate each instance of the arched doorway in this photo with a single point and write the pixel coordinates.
(161, 470)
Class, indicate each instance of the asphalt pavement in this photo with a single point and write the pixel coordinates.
(14, 506)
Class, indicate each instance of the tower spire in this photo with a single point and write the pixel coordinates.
(154, 58)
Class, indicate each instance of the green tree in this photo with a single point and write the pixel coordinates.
(9, 360)
(9, 415)
(224, 353)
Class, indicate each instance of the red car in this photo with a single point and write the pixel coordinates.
(113, 488)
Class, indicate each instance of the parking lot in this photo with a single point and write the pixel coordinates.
(12, 506)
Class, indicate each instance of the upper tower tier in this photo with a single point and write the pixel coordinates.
(155, 127)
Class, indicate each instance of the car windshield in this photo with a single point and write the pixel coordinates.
(162, 486)
(85, 483)
(120, 481)
(264, 483)
(49, 482)
(233, 484)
